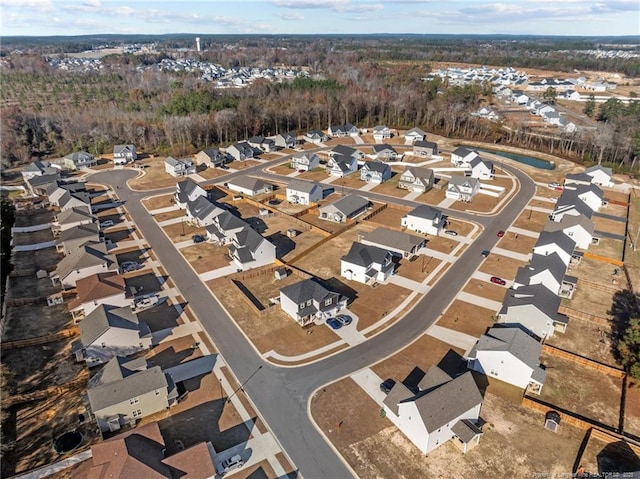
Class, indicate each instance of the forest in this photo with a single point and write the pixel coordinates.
(362, 80)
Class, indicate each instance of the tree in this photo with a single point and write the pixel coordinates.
(629, 348)
(590, 106)
(550, 94)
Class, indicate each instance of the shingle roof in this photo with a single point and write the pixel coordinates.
(558, 238)
(376, 166)
(344, 150)
(305, 290)
(426, 212)
(425, 144)
(350, 204)
(365, 255)
(393, 239)
(433, 378)
(383, 147)
(90, 230)
(99, 285)
(595, 168)
(399, 392)
(568, 221)
(73, 215)
(465, 430)
(512, 340)
(303, 186)
(536, 295)
(463, 152)
(104, 317)
(90, 254)
(248, 182)
(415, 130)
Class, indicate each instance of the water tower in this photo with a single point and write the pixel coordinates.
(198, 43)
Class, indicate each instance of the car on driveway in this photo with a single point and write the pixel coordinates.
(106, 224)
(500, 234)
(333, 323)
(129, 266)
(485, 253)
(387, 385)
(451, 233)
(554, 185)
(198, 238)
(344, 319)
(496, 280)
(234, 462)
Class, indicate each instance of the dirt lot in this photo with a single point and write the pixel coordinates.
(502, 266)
(390, 217)
(286, 247)
(266, 286)
(418, 269)
(317, 174)
(183, 231)
(371, 304)
(169, 215)
(632, 258)
(615, 210)
(608, 225)
(485, 290)
(204, 257)
(157, 202)
(212, 173)
(432, 197)
(586, 339)
(609, 248)
(390, 187)
(443, 243)
(582, 390)
(467, 318)
(632, 409)
(531, 220)
(282, 169)
(614, 458)
(479, 204)
(154, 176)
(24, 220)
(172, 353)
(547, 192)
(521, 244)
(34, 320)
(463, 228)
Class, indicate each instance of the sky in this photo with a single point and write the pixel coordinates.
(541, 17)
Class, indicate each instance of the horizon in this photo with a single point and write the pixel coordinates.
(571, 18)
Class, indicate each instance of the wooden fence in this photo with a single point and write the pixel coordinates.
(25, 301)
(49, 338)
(46, 393)
(598, 286)
(374, 212)
(320, 243)
(619, 203)
(590, 363)
(566, 417)
(610, 437)
(581, 315)
(602, 259)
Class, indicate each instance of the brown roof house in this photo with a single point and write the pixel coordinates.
(97, 289)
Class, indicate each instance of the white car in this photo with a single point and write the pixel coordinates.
(234, 462)
(106, 224)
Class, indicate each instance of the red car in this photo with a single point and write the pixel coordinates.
(500, 234)
(496, 280)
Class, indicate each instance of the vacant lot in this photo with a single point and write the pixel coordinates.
(586, 339)
(520, 244)
(204, 257)
(32, 320)
(467, 318)
(485, 290)
(34, 237)
(390, 217)
(390, 187)
(157, 202)
(373, 303)
(169, 215)
(212, 173)
(419, 268)
(531, 220)
(432, 197)
(608, 225)
(547, 192)
(479, 204)
(582, 390)
(317, 174)
(632, 409)
(183, 231)
(154, 176)
(23, 220)
(443, 243)
(463, 228)
(502, 266)
(265, 287)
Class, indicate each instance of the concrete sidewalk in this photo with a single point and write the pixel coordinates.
(524, 232)
(412, 195)
(544, 198)
(547, 211)
(369, 186)
(52, 469)
(446, 203)
(171, 221)
(437, 254)
(479, 301)
(163, 210)
(407, 283)
(218, 273)
(184, 244)
(512, 254)
(370, 383)
(454, 338)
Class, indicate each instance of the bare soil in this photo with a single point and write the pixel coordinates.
(157, 202)
(609, 248)
(467, 318)
(390, 187)
(154, 176)
(183, 231)
(522, 244)
(443, 243)
(432, 197)
(502, 266)
(612, 459)
(169, 215)
(632, 409)
(608, 225)
(586, 339)
(419, 268)
(531, 220)
(485, 290)
(390, 217)
(205, 257)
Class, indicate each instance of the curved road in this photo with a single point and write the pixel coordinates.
(282, 394)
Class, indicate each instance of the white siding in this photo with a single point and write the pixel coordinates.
(503, 366)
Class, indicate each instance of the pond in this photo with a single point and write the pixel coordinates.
(527, 160)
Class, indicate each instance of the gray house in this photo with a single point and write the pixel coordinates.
(212, 157)
(315, 136)
(90, 258)
(249, 185)
(286, 140)
(375, 172)
(71, 239)
(385, 152)
(39, 168)
(304, 192)
(123, 154)
(241, 151)
(425, 149)
(79, 160)
(417, 178)
(187, 190)
(178, 168)
(402, 244)
(203, 211)
(347, 207)
(264, 144)
(126, 391)
(307, 300)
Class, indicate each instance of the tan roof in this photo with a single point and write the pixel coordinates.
(97, 286)
(195, 462)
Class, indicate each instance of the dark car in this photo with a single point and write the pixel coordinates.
(485, 253)
(496, 280)
(198, 238)
(387, 385)
(333, 323)
(500, 234)
(344, 319)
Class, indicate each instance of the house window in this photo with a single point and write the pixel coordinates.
(134, 400)
(327, 302)
(308, 302)
(301, 305)
(137, 413)
(157, 392)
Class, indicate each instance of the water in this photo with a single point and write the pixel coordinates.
(527, 160)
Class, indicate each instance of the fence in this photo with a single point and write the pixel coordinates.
(24, 301)
(599, 286)
(46, 393)
(374, 212)
(610, 437)
(566, 417)
(619, 203)
(49, 338)
(350, 224)
(590, 363)
(581, 315)
(602, 259)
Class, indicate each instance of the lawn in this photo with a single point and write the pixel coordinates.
(317, 174)
(443, 243)
(419, 268)
(390, 217)
(479, 204)
(157, 202)
(153, 176)
(283, 169)
(205, 257)
(586, 339)
(485, 290)
(169, 215)
(432, 197)
(463, 228)
(531, 220)
(517, 242)
(467, 318)
(502, 266)
(183, 231)
(373, 303)
(213, 173)
(609, 248)
(608, 225)
(390, 187)
(266, 286)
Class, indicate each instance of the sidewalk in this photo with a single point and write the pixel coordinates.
(446, 203)
(407, 283)
(524, 232)
(454, 338)
(218, 273)
(479, 301)
(512, 254)
(163, 210)
(437, 254)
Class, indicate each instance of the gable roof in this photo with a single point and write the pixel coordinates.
(463, 152)
(420, 172)
(595, 168)
(365, 255)
(90, 254)
(459, 180)
(104, 317)
(73, 215)
(383, 147)
(195, 462)
(425, 212)
(350, 204)
(121, 148)
(248, 182)
(303, 186)
(376, 166)
(425, 144)
(558, 238)
(343, 150)
(415, 130)
(568, 221)
(90, 230)
(79, 157)
(478, 160)
(540, 263)
(399, 393)
(307, 289)
(535, 295)
(393, 239)
(98, 286)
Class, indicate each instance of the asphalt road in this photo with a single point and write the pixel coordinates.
(282, 394)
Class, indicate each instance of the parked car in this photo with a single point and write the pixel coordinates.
(198, 238)
(554, 185)
(451, 233)
(234, 462)
(496, 280)
(333, 323)
(129, 266)
(106, 224)
(485, 253)
(344, 319)
(387, 385)
(500, 234)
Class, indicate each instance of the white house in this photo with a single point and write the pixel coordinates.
(381, 132)
(307, 301)
(89, 259)
(424, 219)
(347, 207)
(578, 228)
(443, 409)
(482, 169)
(241, 151)
(39, 168)
(248, 185)
(178, 168)
(343, 130)
(366, 264)
(591, 194)
(212, 157)
(79, 160)
(417, 178)
(375, 172)
(555, 242)
(510, 355)
(401, 244)
(202, 211)
(384, 152)
(570, 205)
(600, 175)
(123, 154)
(305, 161)
(462, 188)
(413, 135)
(548, 270)
(340, 165)
(461, 157)
(186, 191)
(101, 288)
(425, 149)
(303, 192)
(315, 136)
(286, 140)
(248, 249)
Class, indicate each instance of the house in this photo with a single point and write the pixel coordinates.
(58, 188)
(440, 409)
(224, 226)
(510, 355)
(347, 207)
(519, 97)
(366, 264)
(79, 160)
(552, 117)
(425, 149)
(179, 168)
(315, 136)
(462, 188)
(346, 151)
(461, 157)
(413, 135)
(570, 95)
(570, 205)
(91, 258)
(375, 172)
(573, 179)
(341, 166)
(482, 169)
(548, 270)
(567, 125)
(486, 113)
(305, 161)
(100, 288)
(591, 195)
(125, 391)
(76, 199)
(303, 192)
(186, 191)
(265, 144)
(38, 185)
(142, 453)
(384, 153)
(248, 185)
(578, 228)
(381, 132)
(248, 249)
(417, 178)
(110, 331)
(286, 140)
(424, 219)
(123, 154)
(402, 244)
(39, 168)
(544, 108)
(212, 157)
(71, 218)
(555, 242)
(307, 301)
(202, 211)
(600, 175)
(533, 308)
(241, 151)
(71, 239)
(343, 130)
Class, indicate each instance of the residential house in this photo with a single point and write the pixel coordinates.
(248, 249)
(346, 151)
(343, 130)
(567, 125)
(424, 219)
(401, 244)
(202, 211)
(600, 175)
(340, 165)
(71, 218)
(307, 301)
(224, 227)
(71, 239)
(265, 144)
(461, 157)
(440, 409)
(417, 178)
(384, 153)
(570, 95)
(375, 172)
(212, 157)
(38, 185)
(123, 154)
(367, 264)
(555, 242)
(315, 136)
(347, 207)
(110, 331)
(248, 185)
(305, 161)
(548, 270)
(482, 169)
(534, 309)
(570, 205)
(39, 168)
(91, 258)
(544, 108)
(425, 149)
(552, 118)
(413, 135)
(591, 195)
(100, 288)
(462, 188)
(241, 151)
(519, 97)
(578, 228)
(186, 191)
(486, 113)
(510, 355)
(381, 132)
(179, 168)
(79, 160)
(303, 192)
(75, 199)
(125, 391)
(286, 140)
(573, 179)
